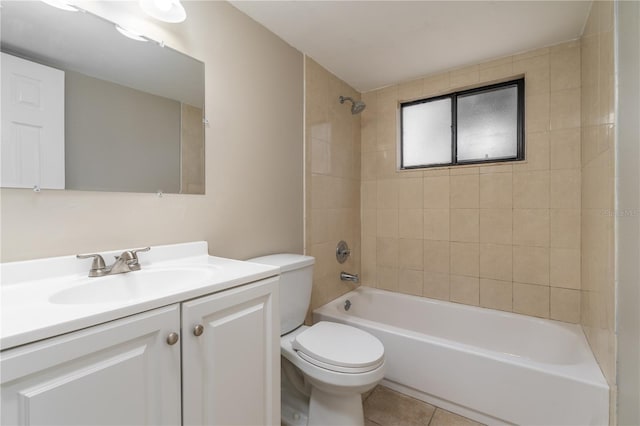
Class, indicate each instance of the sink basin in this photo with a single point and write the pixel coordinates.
(132, 286)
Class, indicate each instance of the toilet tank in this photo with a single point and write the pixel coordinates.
(296, 280)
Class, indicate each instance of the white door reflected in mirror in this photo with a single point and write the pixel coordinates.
(32, 125)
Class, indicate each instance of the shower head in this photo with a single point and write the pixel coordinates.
(356, 106)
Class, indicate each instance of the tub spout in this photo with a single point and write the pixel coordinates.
(345, 276)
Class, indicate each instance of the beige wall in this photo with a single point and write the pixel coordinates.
(332, 179)
(501, 236)
(254, 155)
(598, 131)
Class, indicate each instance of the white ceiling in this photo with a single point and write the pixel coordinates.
(372, 44)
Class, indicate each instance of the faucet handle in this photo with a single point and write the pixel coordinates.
(98, 267)
(133, 254)
(140, 250)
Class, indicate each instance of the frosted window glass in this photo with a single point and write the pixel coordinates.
(488, 125)
(426, 133)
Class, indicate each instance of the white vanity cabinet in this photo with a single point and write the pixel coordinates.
(231, 357)
(119, 373)
(128, 372)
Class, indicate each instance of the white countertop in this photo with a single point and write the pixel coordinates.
(29, 315)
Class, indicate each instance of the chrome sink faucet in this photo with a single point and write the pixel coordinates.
(126, 262)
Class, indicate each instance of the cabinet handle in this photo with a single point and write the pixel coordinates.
(198, 330)
(173, 338)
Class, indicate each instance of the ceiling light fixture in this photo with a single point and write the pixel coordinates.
(130, 34)
(164, 10)
(61, 4)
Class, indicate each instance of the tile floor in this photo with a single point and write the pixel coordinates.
(385, 407)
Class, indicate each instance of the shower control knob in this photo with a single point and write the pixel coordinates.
(198, 330)
(342, 252)
(173, 338)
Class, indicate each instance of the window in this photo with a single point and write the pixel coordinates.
(474, 126)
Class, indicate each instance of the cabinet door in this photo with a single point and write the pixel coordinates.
(119, 373)
(230, 372)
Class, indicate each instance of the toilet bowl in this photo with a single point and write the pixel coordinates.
(337, 377)
(328, 364)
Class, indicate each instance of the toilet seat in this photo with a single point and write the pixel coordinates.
(339, 347)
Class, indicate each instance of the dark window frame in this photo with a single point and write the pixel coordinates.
(453, 96)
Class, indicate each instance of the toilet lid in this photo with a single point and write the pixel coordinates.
(341, 346)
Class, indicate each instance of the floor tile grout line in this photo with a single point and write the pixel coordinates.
(415, 402)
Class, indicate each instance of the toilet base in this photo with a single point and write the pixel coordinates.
(291, 416)
(294, 405)
(335, 409)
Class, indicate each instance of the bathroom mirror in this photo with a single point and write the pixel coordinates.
(120, 114)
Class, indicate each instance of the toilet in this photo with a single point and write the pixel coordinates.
(325, 367)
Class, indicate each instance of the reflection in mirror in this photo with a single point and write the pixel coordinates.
(86, 108)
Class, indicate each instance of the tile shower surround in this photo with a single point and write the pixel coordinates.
(501, 236)
(332, 173)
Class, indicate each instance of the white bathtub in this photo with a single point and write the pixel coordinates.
(495, 367)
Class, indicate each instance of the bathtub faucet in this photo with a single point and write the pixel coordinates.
(345, 276)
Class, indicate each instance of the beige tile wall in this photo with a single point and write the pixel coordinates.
(192, 151)
(598, 128)
(332, 180)
(502, 236)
